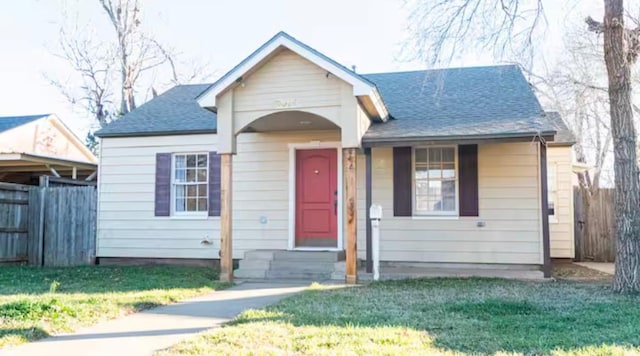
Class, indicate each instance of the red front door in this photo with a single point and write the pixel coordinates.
(317, 198)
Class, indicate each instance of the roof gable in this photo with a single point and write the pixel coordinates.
(361, 86)
(43, 135)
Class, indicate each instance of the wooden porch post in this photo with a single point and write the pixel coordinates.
(544, 199)
(349, 159)
(226, 246)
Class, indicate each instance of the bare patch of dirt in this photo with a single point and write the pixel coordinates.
(571, 271)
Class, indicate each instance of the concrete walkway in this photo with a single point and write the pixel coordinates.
(145, 332)
(603, 267)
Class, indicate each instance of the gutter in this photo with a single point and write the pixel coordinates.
(394, 141)
(156, 133)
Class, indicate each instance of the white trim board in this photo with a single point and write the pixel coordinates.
(293, 147)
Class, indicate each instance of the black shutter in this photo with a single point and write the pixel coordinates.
(214, 184)
(468, 171)
(402, 181)
(163, 184)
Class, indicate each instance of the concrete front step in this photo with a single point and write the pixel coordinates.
(309, 256)
(299, 275)
(245, 273)
(254, 264)
(291, 265)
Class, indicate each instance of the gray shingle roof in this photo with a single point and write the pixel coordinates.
(10, 122)
(481, 102)
(174, 112)
(564, 135)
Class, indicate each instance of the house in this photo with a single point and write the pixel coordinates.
(41, 145)
(287, 151)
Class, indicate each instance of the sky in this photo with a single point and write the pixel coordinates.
(365, 33)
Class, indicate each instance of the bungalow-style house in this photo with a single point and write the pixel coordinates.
(42, 145)
(276, 163)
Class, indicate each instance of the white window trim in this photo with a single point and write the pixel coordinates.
(553, 219)
(434, 214)
(186, 214)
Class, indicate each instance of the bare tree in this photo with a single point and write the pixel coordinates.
(576, 87)
(137, 52)
(442, 27)
(92, 64)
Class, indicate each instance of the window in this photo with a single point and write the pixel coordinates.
(435, 181)
(552, 190)
(190, 179)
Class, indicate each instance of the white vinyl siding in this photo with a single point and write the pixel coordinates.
(561, 226)
(552, 191)
(127, 227)
(509, 206)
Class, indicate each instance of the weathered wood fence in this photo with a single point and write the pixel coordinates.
(594, 225)
(47, 226)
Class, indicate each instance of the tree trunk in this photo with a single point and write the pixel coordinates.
(627, 193)
(123, 92)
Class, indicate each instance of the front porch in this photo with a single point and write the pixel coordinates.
(323, 266)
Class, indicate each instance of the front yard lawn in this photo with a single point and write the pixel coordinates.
(436, 317)
(37, 302)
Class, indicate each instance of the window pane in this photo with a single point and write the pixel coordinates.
(202, 175)
(192, 191)
(421, 155)
(202, 161)
(448, 154)
(202, 190)
(202, 204)
(180, 191)
(191, 175)
(422, 173)
(181, 175)
(191, 161)
(180, 162)
(435, 155)
(192, 204)
(180, 205)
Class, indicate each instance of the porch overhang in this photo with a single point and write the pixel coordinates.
(14, 165)
(366, 91)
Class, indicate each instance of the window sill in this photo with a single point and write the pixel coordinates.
(435, 217)
(192, 217)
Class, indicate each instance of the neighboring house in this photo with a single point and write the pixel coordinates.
(300, 146)
(36, 145)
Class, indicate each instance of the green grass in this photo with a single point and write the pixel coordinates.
(436, 317)
(38, 302)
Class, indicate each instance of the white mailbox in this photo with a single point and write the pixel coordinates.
(375, 214)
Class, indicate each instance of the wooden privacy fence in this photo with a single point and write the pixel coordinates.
(48, 226)
(14, 203)
(594, 225)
